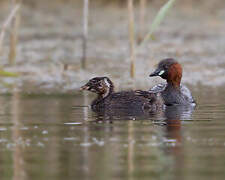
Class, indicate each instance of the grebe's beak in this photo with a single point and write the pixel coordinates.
(85, 87)
(157, 72)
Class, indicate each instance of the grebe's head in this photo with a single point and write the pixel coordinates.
(170, 70)
(100, 85)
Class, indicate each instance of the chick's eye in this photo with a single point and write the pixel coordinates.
(100, 85)
(93, 81)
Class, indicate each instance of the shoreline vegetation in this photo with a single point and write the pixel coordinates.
(49, 45)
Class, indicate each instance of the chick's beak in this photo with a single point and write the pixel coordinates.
(85, 87)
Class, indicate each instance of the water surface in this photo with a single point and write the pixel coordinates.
(58, 137)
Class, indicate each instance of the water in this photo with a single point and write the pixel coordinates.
(58, 137)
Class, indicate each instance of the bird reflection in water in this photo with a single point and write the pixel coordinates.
(171, 145)
(173, 139)
(174, 116)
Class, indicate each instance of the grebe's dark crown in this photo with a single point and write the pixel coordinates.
(170, 70)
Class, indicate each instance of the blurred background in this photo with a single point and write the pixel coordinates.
(50, 34)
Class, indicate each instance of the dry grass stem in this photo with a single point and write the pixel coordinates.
(85, 33)
(131, 37)
(7, 23)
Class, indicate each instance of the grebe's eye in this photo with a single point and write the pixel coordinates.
(98, 83)
(94, 81)
(166, 67)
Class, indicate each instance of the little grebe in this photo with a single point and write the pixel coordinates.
(173, 92)
(107, 99)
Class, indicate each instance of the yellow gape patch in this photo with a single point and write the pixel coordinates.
(161, 72)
